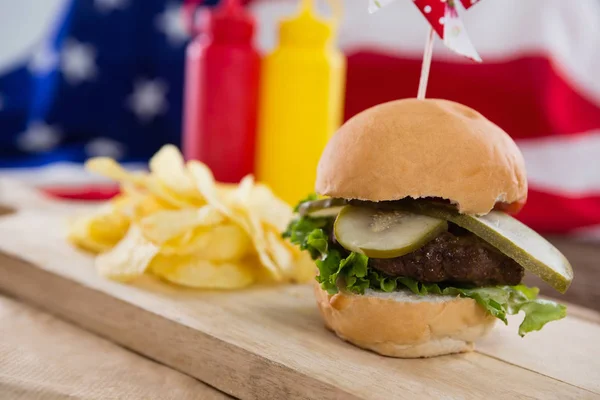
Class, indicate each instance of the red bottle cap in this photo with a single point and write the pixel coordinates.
(229, 22)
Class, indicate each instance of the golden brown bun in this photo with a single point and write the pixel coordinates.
(404, 325)
(423, 148)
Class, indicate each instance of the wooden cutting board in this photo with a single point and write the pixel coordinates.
(269, 343)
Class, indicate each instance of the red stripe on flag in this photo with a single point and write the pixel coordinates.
(527, 96)
(552, 213)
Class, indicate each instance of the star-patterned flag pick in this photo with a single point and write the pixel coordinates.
(444, 18)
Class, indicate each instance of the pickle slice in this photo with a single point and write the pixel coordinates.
(385, 233)
(326, 212)
(321, 208)
(511, 237)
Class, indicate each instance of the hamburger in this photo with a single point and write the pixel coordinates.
(412, 234)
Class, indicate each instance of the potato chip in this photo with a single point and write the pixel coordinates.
(193, 272)
(255, 229)
(100, 231)
(236, 204)
(79, 235)
(147, 206)
(279, 251)
(225, 189)
(109, 227)
(268, 208)
(177, 222)
(225, 242)
(244, 191)
(140, 204)
(164, 225)
(206, 185)
(111, 169)
(265, 216)
(305, 269)
(169, 168)
(165, 194)
(264, 213)
(128, 259)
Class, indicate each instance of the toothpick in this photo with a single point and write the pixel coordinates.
(426, 64)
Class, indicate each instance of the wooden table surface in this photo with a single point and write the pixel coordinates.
(45, 358)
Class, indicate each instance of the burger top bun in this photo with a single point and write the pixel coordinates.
(423, 148)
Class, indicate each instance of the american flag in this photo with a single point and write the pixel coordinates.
(105, 78)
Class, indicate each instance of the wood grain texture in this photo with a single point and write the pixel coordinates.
(582, 312)
(269, 343)
(564, 350)
(45, 358)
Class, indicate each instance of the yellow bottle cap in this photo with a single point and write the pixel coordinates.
(305, 29)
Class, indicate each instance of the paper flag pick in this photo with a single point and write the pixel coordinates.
(444, 18)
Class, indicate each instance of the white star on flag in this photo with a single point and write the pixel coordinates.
(106, 6)
(171, 23)
(39, 137)
(78, 62)
(105, 147)
(43, 60)
(148, 99)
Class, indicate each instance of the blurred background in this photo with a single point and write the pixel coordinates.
(84, 78)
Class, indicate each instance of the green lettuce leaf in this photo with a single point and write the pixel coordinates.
(328, 265)
(310, 234)
(353, 273)
(509, 300)
(538, 313)
(318, 242)
(349, 271)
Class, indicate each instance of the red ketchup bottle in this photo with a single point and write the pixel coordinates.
(221, 92)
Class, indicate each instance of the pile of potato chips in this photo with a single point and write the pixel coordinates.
(177, 223)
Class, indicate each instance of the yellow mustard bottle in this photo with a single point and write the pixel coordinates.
(302, 92)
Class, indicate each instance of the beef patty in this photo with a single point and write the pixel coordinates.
(451, 258)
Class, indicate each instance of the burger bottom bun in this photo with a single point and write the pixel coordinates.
(405, 325)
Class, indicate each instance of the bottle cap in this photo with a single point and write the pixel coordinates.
(228, 21)
(305, 29)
